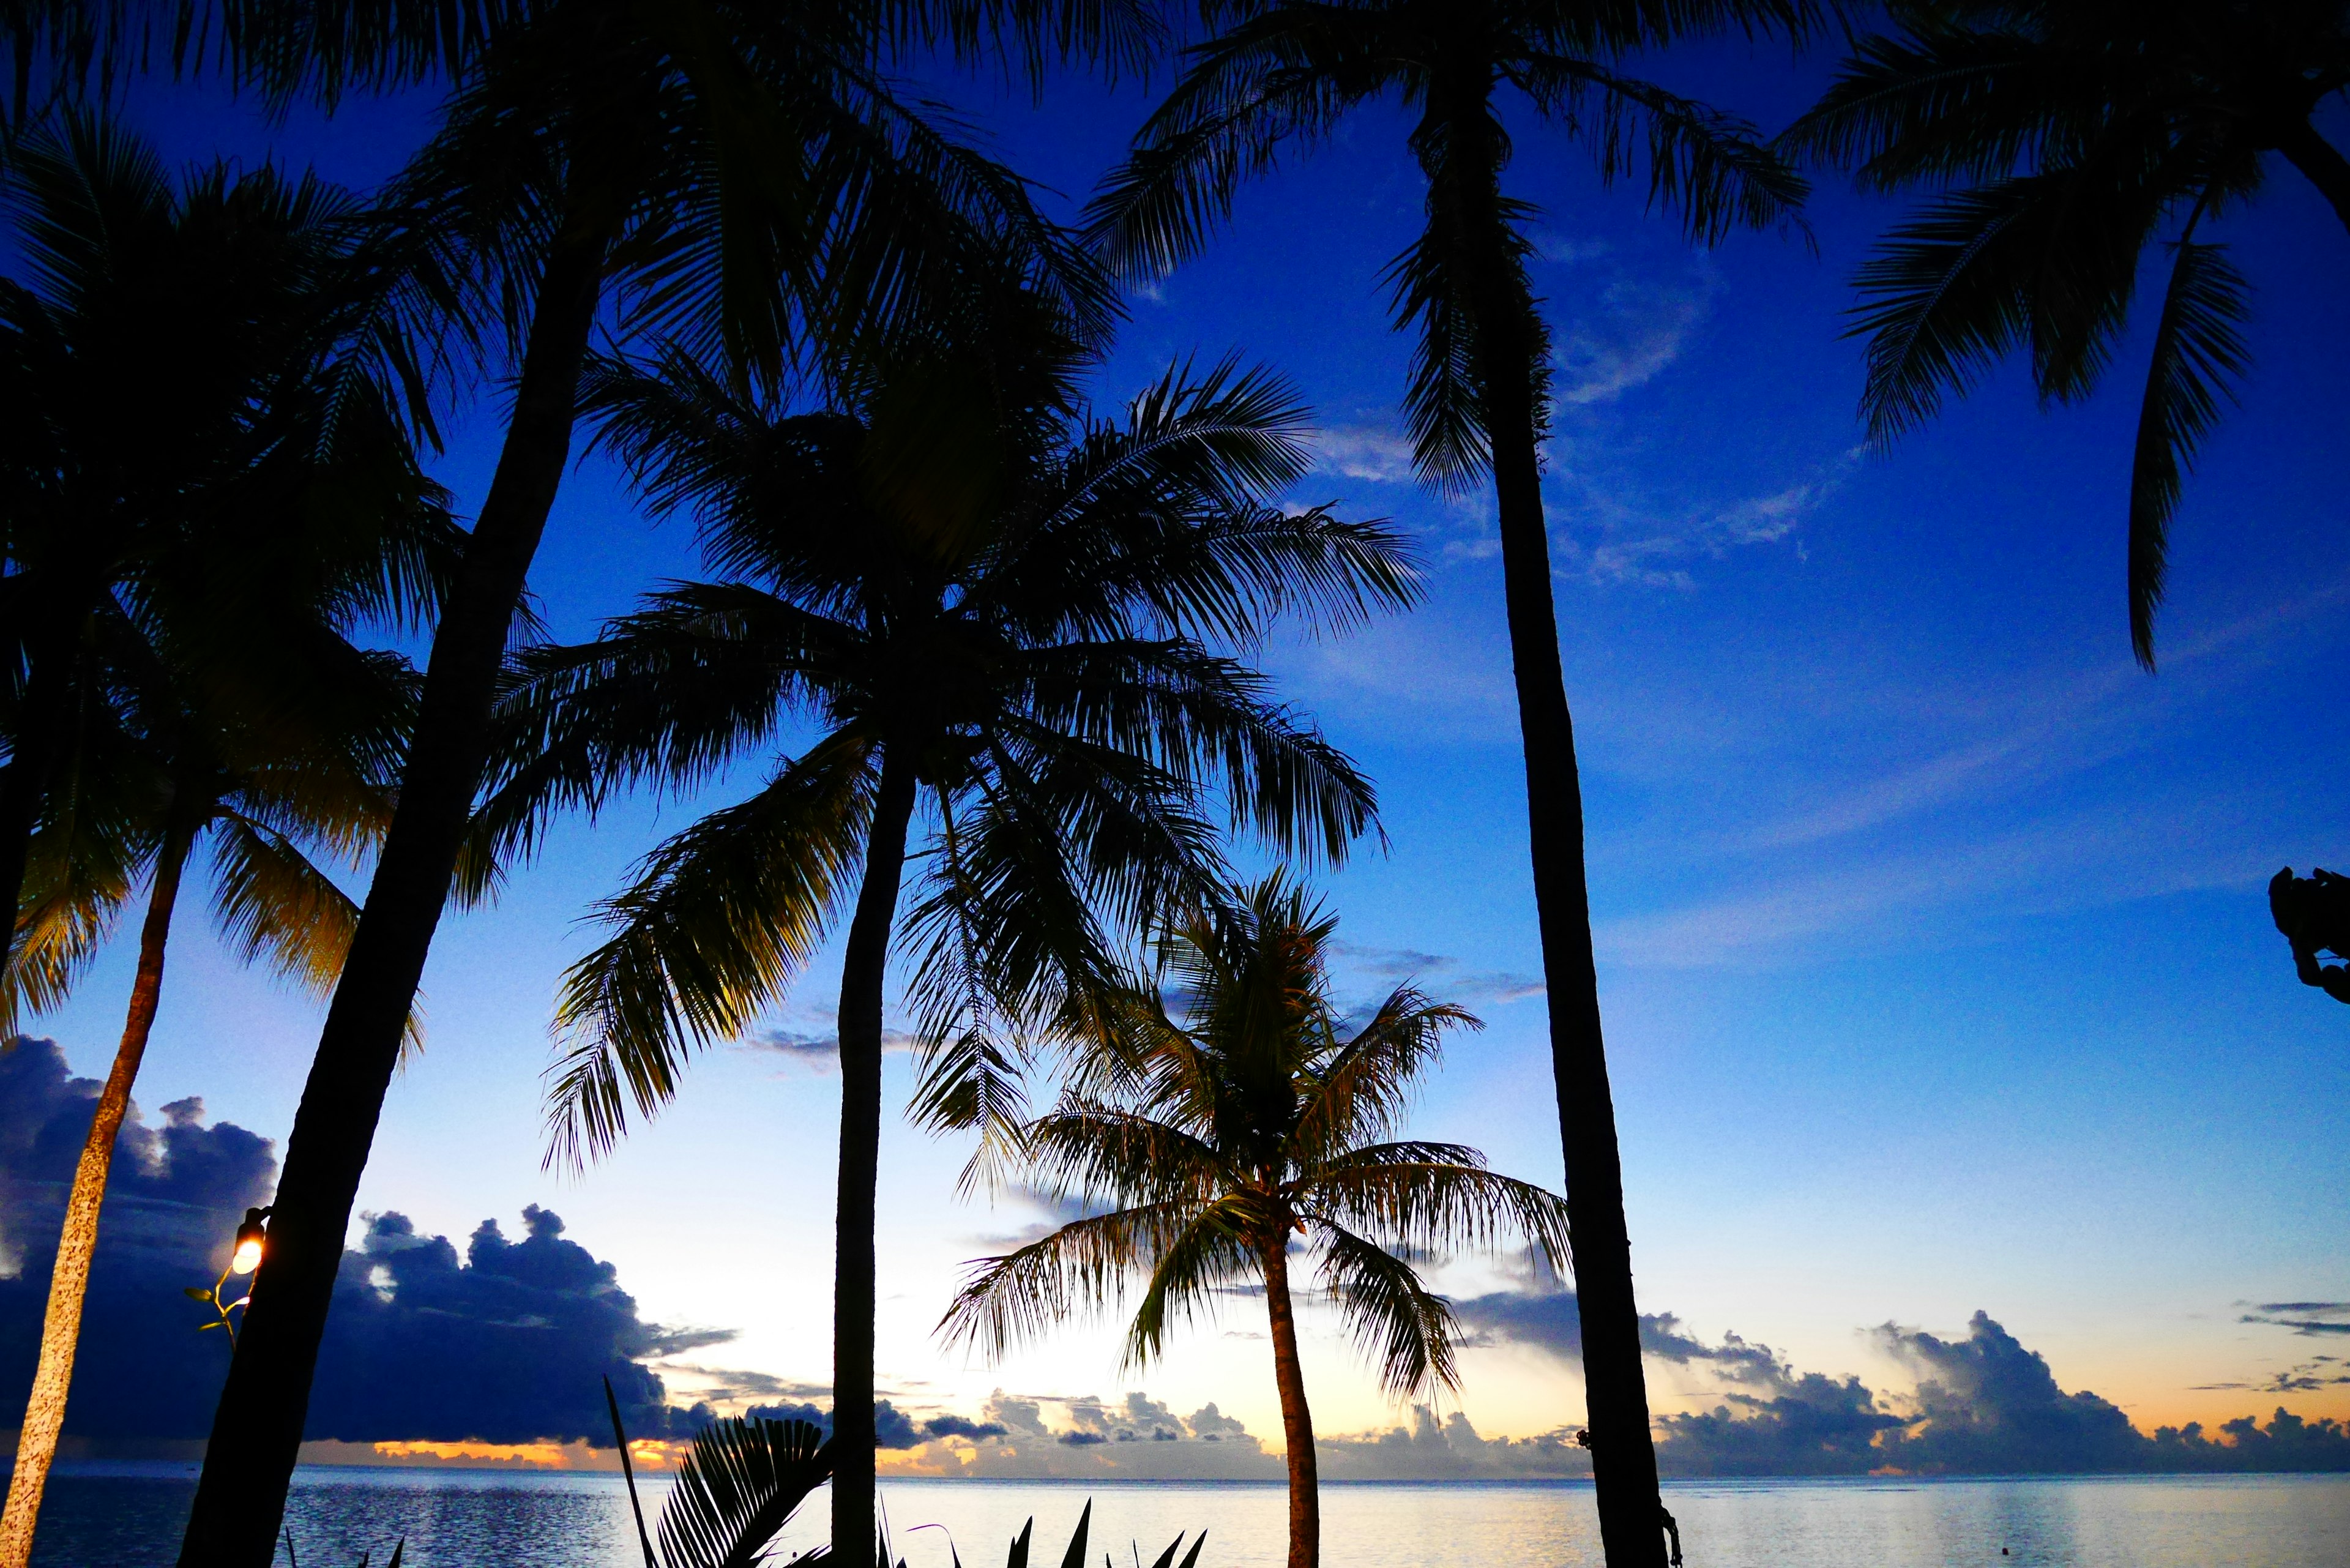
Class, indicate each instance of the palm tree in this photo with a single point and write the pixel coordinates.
(992, 607)
(2079, 136)
(1288, 71)
(1217, 1143)
(206, 493)
(161, 774)
(207, 370)
(729, 171)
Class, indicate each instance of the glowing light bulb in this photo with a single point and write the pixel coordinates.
(247, 1258)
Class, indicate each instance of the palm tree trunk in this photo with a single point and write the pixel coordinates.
(1296, 1419)
(863, 969)
(2321, 164)
(257, 1429)
(1615, 1394)
(45, 1410)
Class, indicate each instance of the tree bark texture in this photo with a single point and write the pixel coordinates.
(864, 968)
(1296, 1416)
(257, 1429)
(45, 1410)
(1623, 1458)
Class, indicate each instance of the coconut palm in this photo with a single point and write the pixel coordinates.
(245, 785)
(730, 171)
(1284, 74)
(991, 609)
(209, 376)
(1256, 1127)
(2078, 138)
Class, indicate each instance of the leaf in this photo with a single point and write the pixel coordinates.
(1167, 1558)
(1076, 1556)
(204, 1327)
(197, 1293)
(735, 1491)
(1191, 1558)
(1018, 1556)
(2199, 352)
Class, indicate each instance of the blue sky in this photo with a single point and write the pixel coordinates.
(1934, 948)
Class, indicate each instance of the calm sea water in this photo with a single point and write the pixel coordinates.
(128, 1517)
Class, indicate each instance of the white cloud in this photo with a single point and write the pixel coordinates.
(1640, 326)
(1379, 453)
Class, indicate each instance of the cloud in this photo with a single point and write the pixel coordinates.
(143, 1372)
(1450, 1449)
(1380, 453)
(509, 1345)
(1984, 1404)
(2311, 1318)
(817, 1049)
(1439, 974)
(1084, 1436)
(1640, 326)
(1609, 536)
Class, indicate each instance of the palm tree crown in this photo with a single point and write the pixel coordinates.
(991, 611)
(2078, 136)
(1000, 622)
(1257, 1125)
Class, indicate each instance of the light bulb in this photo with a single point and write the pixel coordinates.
(247, 1258)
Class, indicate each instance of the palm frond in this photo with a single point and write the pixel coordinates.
(1712, 168)
(1435, 1205)
(1080, 1268)
(718, 920)
(1411, 1333)
(735, 1491)
(2198, 352)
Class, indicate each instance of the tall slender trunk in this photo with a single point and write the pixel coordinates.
(1296, 1419)
(45, 1410)
(863, 968)
(257, 1429)
(2322, 164)
(1615, 1394)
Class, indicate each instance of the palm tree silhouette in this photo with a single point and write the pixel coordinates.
(991, 606)
(247, 779)
(1288, 72)
(734, 173)
(1256, 1126)
(2079, 136)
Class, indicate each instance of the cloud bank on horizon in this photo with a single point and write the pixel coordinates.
(509, 1344)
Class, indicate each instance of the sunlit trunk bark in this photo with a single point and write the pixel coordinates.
(1297, 1417)
(863, 969)
(1505, 328)
(257, 1430)
(44, 1409)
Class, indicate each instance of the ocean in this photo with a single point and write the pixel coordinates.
(129, 1516)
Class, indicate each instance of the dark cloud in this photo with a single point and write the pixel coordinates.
(819, 1050)
(509, 1345)
(1546, 1320)
(2311, 1318)
(1439, 974)
(959, 1427)
(143, 1372)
